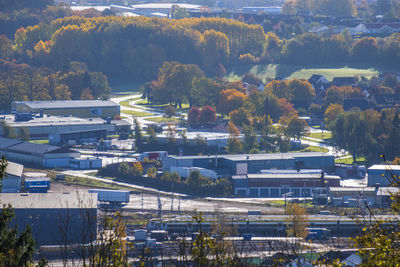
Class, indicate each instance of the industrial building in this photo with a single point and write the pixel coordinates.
(229, 165)
(12, 179)
(55, 218)
(56, 128)
(356, 196)
(380, 174)
(275, 185)
(75, 108)
(42, 155)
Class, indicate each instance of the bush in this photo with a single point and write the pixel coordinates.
(193, 113)
(170, 111)
(207, 115)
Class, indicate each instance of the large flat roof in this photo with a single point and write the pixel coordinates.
(74, 200)
(165, 6)
(6, 142)
(384, 167)
(242, 157)
(14, 169)
(68, 104)
(52, 121)
(284, 176)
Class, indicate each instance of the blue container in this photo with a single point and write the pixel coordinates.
(38, 189)
(37, 182)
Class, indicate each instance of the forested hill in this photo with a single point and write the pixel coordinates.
(138, 46)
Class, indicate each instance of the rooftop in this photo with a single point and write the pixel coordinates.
(242, 157)
(14, 169)
(6, 142)
(74, 200)
(68, 104)
(285, 176)
(165, 6)
(384, 167)
(52, 121)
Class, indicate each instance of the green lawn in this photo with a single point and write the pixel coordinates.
(349, 160)
(39, 141)
(137, 113)
(314, 149)
(163, 119)
(126, 103)
(322, 136)
(143, 102)
(271, 71)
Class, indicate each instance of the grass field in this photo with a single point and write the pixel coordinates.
(92, 183)
(163, 119)
(137, 113)
(39, 141)
(322, 136)
(283, 71)
(143, 102)
(349, 160)
(126, 103)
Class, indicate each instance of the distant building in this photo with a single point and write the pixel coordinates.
(45, 156)
(12, 179)
(379, 174)
(344, 81)
(253, 163)
(274, 185)
(75, 108)
(55, 218)
(361, 103)
(47, 126)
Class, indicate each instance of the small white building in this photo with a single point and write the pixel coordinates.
(11, 182)
(380, 174)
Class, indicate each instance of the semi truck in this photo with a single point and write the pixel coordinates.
(111, 196)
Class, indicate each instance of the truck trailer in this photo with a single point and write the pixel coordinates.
(111, 196)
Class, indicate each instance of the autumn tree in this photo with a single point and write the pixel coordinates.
(297, 221)
(337, 95)
(240, 117)
(207, 115)
(296, 127)
(205, 91)
(230, 100)
(234, 144)
(193, 115)
(331, 113)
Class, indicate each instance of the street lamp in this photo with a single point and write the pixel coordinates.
(288, 194)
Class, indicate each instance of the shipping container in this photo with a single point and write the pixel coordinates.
(111, 196)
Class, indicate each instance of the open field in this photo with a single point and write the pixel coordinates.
(136, 113)
(322, 136)
(349, 160)
(284, 71)
(126, 103)
(163, 119)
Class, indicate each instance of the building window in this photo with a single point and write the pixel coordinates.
(306, 192)
(274, 192)
(296, 192)
(264, 192)
(241, 192)
(254, 192)
(285, 190)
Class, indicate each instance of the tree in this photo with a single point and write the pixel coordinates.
(303, 92)
(178, 12)
(207, 115)
(205, 91)
(137, 169)
(152, 135)
(331, 113)
(230, 100)
(365, 50)
(151, 172)
(240, 117)
(250, 143)
(170, 111)
(6, 49)
(24, 134)
(297, 221)
(234, 144)
(86, 94)
(193, 115)
(296, 127)
(350, 131)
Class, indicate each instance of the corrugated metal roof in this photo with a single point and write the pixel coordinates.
(73, 200)
(284, 176)
(68, 104)
(6, 142)
(14, 169)
(384, 167)
(32, 148)
(242, 157)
